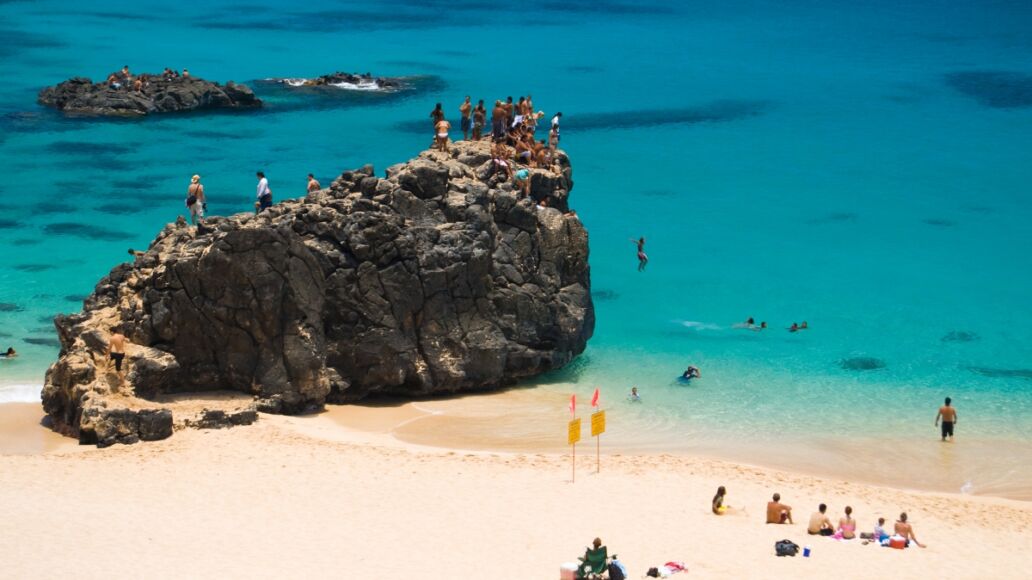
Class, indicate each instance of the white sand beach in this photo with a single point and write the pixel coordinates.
(336, 494)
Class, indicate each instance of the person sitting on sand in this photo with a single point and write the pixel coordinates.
(9, 353)
(906, 531)
(819, 524)
(879, 530)
(634, 397)
(594, 560)
(846, 526)
(777, 512)
(718, 506)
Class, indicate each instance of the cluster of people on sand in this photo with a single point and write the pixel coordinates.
(820, 524)
(197, 201)
(513, 130)
(124, 80)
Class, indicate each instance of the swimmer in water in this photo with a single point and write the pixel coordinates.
(794, 327)
(691, 373)
(762, 326)
(643, 259)
(9, 354)
(749, 323)
(634, 397)
(804, 326)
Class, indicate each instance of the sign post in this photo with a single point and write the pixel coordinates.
(573, 436)
(598, 427)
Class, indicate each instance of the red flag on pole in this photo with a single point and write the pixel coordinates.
(594, 398)
(573, 405)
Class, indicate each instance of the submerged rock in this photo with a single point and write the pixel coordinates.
(344, 80)
(435, 279)
(862, 363)
(960, 336)
(81, 96)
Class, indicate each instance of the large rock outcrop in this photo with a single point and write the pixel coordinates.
(438, 278)
(81, 96)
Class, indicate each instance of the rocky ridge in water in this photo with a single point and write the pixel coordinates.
(435, 279)
(81, 96)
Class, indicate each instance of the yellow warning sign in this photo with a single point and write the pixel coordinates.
(598, 423)
(573, 435)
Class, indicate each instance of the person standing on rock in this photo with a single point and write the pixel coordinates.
(437, 115)
(116, 352)
(479, 120)
(442, 134)
(313, 184)
(498, 122)
(264, 194)
(553, 133)
(195, 200)
(466, 108)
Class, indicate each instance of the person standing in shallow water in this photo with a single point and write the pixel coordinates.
(948, 414)
(195, 200)
(466, 109)
(643, 259)
(313, 184)
(263, 195)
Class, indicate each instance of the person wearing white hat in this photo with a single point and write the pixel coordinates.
(195, 200)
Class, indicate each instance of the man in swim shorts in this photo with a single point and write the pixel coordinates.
(819, 523)
(479, 120)
(116, 351)
(465, 109)
(948, 414)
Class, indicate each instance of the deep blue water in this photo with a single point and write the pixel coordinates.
(864, 166)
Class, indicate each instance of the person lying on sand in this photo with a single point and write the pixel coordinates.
(777, 512)
(819, 523)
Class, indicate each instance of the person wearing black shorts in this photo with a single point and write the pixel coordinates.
(948, 414)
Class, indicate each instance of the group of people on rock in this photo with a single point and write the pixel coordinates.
(123, 79)
(197, 201)
(513, 129)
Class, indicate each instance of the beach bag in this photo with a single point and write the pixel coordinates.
(615, 573)
(191, 200)
(786, 548)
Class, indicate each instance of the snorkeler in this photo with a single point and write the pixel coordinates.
(634, 397)
(643, 259)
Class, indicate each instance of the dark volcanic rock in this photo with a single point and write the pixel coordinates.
(81, 96)
(433, 280)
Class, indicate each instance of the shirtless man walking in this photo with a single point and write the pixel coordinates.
(465, 109)
(949, 418)
(313, 184)
(116, 352)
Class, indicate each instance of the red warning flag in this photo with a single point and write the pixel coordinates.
(594, 398)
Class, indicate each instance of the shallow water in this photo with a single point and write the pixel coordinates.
(862, 166)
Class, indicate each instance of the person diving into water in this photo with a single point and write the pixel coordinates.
(643, 259)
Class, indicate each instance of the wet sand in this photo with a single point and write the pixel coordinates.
(22, 431)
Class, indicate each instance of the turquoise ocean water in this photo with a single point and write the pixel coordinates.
(863, 166)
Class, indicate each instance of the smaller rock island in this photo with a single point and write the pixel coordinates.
(343, 80)
(147, 94)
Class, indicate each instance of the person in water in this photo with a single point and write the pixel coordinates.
(643, 259)
(9, 353)
(634, 397)
(793, 328)
(804, 326)
(691, 372)
(717, 505)
(762, 326)
(948, 414)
